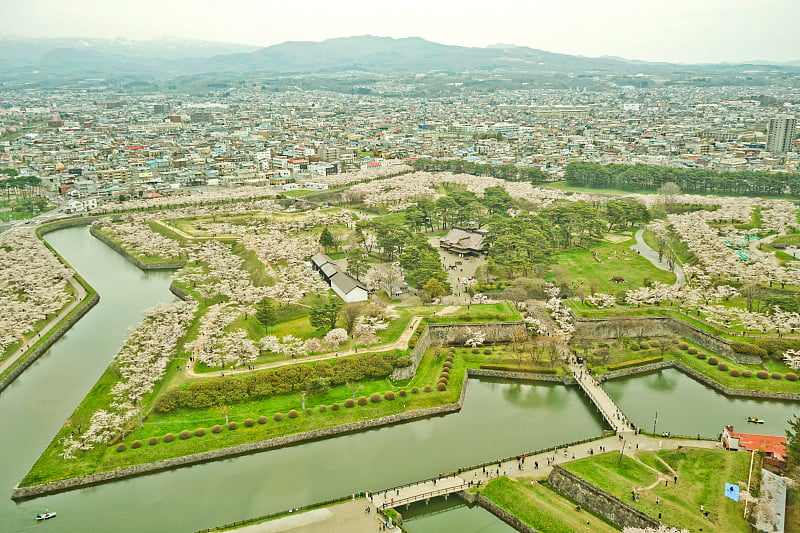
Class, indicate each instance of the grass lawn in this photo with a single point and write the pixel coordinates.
(542, 508)
(702, 475)
(51, 466)
(579, 265)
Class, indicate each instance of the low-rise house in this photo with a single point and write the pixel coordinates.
(773, 447)
(344, 285)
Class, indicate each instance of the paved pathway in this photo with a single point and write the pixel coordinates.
(80, 294)
(400, 344)
(599, 397)
(347, 517)
(651, 255)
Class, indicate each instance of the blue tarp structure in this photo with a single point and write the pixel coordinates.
(732, 491)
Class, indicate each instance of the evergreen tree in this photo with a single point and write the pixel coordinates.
(325, 313)
(265, 313)
(326, 239)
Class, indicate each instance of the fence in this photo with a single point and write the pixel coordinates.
(424, 496)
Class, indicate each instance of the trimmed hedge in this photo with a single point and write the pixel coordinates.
(692, 351)
(487, 351)
(723, 367)
(349, 402)
(152, 441)
(441, 387)
(683, 346)
(185, 434)
(427, 388)
(249, 422)
(262, 419)
(762, 374)
(735, 373)
(362, 400)
(323, 408)
(308, 411)
(402, 393)
(216, 429)
(414, 390)
(713, 361)
(524, 369)
(389, 395)
(277, 417)
(791, 376)
(335, 407)
(635, 362)
(169, 437)
(747, 373)
(375, 398)
(701, 356)
(777, 375)
(199, 432)
(121, 447)
(136, 444)
(292, 414)
(748, 349)
(232, 426)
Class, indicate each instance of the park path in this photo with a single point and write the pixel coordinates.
(651, 255)
(346, 517)
(400, 344)
(80, 295)
(599, 397)
(533, 467)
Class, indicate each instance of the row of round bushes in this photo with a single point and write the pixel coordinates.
(761, 374)
(350, 402)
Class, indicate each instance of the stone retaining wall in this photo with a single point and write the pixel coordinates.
(739, 393)
(53, 487)
(660, 326)
(180, 293)
(48, 341)
(519, 376)
(598, 501)
(164, 265)
(479, 499)
(454, 333)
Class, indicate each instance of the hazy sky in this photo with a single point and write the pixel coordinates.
(667, 30)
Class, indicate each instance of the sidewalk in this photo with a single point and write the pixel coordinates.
(651, 255)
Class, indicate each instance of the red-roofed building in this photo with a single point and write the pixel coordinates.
(773, 447)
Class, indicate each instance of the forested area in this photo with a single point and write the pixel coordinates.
(690, 180)
(459, 166)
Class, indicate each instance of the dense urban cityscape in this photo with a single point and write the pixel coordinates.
(324, 286)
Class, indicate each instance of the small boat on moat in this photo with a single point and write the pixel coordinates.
(45, 516)
(755, 420)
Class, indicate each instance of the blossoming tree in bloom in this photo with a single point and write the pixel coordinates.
(335, 337)
(33, 285)
(141, 363)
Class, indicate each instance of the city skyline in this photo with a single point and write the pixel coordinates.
(709, 32)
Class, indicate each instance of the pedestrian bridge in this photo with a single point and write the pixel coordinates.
(417, 492)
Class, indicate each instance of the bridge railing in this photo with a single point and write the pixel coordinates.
(424, 496)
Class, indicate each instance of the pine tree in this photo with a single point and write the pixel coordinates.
(265, 313)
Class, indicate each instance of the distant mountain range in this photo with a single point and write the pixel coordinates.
(171, 57)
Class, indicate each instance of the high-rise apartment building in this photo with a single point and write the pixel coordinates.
(780, 134)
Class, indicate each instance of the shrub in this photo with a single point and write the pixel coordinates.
(349, 402)
(335, 407)
(169, 437)
(777, 375)
(375, 398)
(389, 396)
(445, 375)
(634, 362)
(449, 358)
(447, 366)
(747, 373)
(476, 350)
(249, 422)
(362, 400)
(441, 387)
(232, 426)
(323, 408)
(701, 356)
(676, 341)
(443, 380)
(634, 347)
(121, 447)
(487, 351)
(414, 390)
(262, 419)
(136, 444)
(526, 369)
(199, 432)
(185, 434)
(309, 410)
(292, 414)
(683, 346)
(735, 373)
(791, 376)
(713, 361)
(427, 388)
(602, 345)
(692, 351)
(748, 349)
(277, 417)
(216, 429)
(723, 367)
(152, 441)
(402, 393)
(762, 374)
(644, 345)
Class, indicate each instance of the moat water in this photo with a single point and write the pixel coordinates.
(498, 419)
